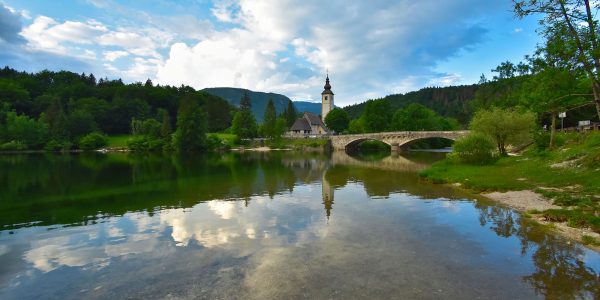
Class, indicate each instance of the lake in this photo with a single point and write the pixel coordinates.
(275, 225)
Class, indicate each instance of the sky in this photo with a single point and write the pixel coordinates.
(370, 48)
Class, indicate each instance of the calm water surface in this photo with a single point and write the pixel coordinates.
(267, 226)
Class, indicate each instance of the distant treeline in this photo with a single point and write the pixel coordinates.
(36, 108)
(461, 102)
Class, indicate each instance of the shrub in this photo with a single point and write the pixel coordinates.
(92, 141)
(213, 142)
(13, 146)
(55, 145)
(541, 140)
(138, 143)
(142, 143)
(473, 149)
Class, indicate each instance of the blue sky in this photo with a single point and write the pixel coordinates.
(371, 48)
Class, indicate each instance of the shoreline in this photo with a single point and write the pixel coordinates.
(526, 200)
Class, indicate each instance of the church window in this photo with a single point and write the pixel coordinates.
(325, 97)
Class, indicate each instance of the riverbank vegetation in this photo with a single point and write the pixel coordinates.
(560, 79)
(57, 110)
(568, 176)
(63, 111)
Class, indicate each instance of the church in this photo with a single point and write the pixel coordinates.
(310, 124)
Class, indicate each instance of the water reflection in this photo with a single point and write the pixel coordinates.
(560, 269)
(267, 225)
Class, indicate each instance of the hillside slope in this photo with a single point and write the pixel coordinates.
(452, 101)
(258, 100)
(313, 107)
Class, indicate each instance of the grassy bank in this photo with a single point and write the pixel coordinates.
(117, 141)
(569, 176)
(231, 140)
(298, 144)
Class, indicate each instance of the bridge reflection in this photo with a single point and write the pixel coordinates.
(395, 173)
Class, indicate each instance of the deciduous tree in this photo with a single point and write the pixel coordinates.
(337, 120)
(571, 31)
(504, 126)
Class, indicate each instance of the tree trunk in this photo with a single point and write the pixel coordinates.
(552, 131)
(596, 89)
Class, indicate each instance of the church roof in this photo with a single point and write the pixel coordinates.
(313, 119)
(301, 124)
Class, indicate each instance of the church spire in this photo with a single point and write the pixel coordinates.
(327, 85)
(326, 98)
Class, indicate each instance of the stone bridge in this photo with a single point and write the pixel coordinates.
(397, 140)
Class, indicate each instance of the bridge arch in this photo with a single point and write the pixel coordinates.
(406, 144)
(354, 144)
(394, 139)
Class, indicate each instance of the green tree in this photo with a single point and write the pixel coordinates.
(505, 70)
(13, 93)
(245, 102)
(504, 126)
(21, 128)
(551, 91)
(80, 123)
(269, 120)
(165, 128)
(280, 127)
(418, 117)
(356, 126)
(244, 123)
(92, 141)
(190, 134)
(571, 30)
(123, 111)
(56, 121)
(475, 148)
(290, 114)
(337, 120)
(377, 115)
(218, 111)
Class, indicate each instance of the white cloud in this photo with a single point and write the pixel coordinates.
(446, 80)
(114, 55)
(49, 35)
(371, 49)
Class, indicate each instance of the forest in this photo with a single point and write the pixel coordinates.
(56, 109)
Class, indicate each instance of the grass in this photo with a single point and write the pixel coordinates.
(118, 141)
(298, 143)
(573, 183)
(228, 138)
(590, 240)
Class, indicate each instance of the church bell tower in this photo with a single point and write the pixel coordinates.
(326, 99)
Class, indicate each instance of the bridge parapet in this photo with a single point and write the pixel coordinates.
(395, 139)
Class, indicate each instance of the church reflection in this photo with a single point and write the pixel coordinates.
(328, 196)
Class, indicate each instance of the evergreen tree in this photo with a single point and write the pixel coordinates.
(56, 120)
(290, 114)
(165, 129)
(270, 120)
(191, 126)
(244, 123)
(245, 102)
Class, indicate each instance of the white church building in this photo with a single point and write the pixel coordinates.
(310, 124)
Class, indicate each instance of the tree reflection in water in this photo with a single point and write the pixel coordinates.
(72, 190)
(560, 273)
